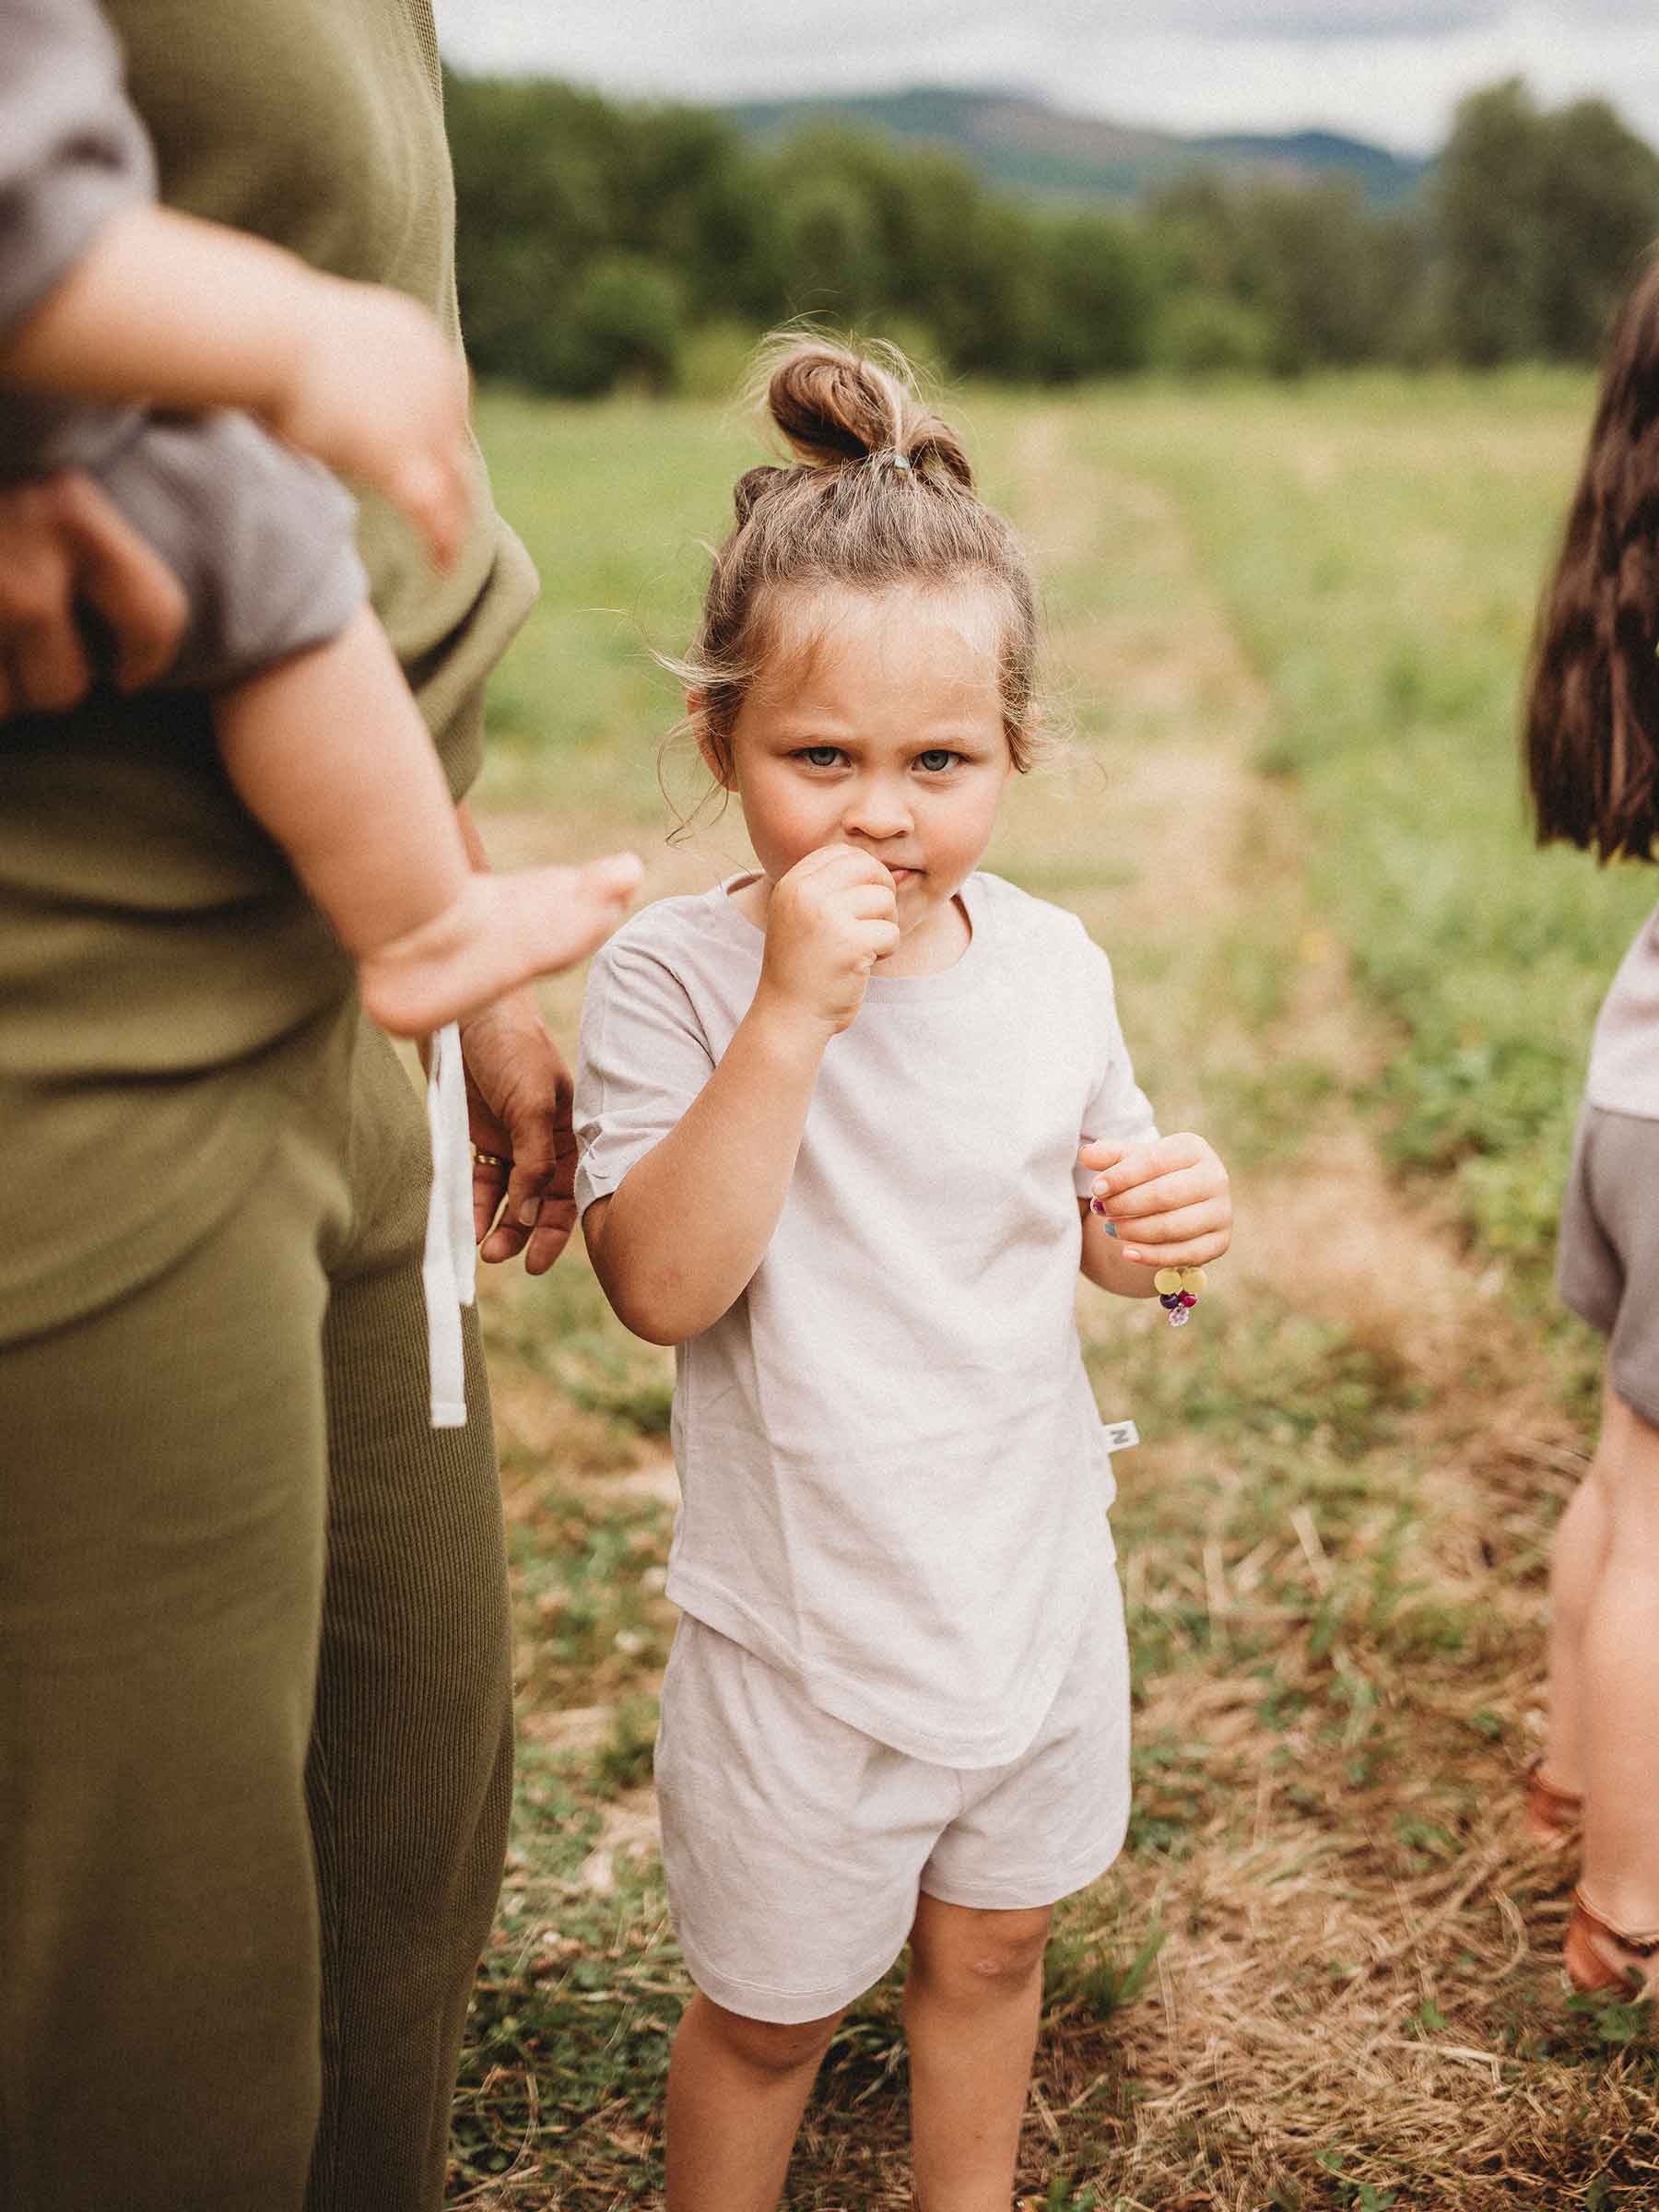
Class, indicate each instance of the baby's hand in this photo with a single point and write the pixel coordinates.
(375, 392)
(830, 919)
(1167, 1200)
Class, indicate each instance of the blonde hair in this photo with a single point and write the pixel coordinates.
(880, 494)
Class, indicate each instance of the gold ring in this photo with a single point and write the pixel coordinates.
(489, 1160)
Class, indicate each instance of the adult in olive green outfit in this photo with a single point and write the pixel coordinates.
(254, 1747)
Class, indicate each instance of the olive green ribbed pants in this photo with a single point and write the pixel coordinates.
(255, 1702)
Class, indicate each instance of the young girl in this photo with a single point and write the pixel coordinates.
(1593, 757)
(847, 1125)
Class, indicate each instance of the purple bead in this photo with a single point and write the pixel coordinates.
(1168, 1300)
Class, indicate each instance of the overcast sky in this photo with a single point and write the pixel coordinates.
(1391, 70)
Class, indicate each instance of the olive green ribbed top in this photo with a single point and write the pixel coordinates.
(159, 965)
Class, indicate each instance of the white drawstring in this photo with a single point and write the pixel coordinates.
(448, 1270)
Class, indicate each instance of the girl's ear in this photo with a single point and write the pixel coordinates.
(716, 758)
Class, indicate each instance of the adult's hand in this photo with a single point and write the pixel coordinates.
(518, 1097)
(63, 543)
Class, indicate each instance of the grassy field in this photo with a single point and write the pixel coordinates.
(1287, 631)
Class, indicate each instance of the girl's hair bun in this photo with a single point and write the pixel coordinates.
(836, 408)
(879, 495)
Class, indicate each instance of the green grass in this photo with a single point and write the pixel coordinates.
(612, 502)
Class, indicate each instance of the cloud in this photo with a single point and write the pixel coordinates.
(747, 34)
(737, 49)
(1601, 11)
(737, 31)
(1385, 69)
(1332, 21)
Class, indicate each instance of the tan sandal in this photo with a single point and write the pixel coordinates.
(1553, 1816)
(1634, 1967)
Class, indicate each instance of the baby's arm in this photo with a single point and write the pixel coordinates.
(187, 316)
(676, 1242)
(329, 751)
(1169, 1203)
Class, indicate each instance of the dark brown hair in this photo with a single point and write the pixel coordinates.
(1591, 715)
(881, 493)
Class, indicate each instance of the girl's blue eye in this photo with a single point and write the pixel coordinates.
(820, 756)
(935, 760)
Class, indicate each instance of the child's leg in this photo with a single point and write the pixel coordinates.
(328, 750)
(1577, 1559)
(737, 2091)
(971, 2008)
(1618, 1697)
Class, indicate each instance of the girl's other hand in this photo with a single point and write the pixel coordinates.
(828, 923)
(1167, 1199)
(376, 394)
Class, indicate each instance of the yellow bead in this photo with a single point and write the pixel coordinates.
(1167, 1281)
(1191, 1278)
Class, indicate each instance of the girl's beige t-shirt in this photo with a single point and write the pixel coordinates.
(894, 1479)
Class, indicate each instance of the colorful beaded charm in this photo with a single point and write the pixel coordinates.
(1178, 1289)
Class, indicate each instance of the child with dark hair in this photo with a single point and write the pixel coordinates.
(849, 1124)
(1591, 740)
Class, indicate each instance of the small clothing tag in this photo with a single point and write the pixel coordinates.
(1120, 1435)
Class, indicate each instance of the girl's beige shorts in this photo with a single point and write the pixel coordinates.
(795, 1847)
(1608, 1263)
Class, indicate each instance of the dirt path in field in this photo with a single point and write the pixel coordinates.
(1197, 816)
(1252, 2060)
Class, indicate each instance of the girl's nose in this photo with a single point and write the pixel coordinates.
(877, 809)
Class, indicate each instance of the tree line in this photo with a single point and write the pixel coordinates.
(602, 244)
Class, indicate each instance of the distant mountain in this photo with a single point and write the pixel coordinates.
(1384, 177)
(1016, 140)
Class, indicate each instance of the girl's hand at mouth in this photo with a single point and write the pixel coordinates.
(828, 923)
